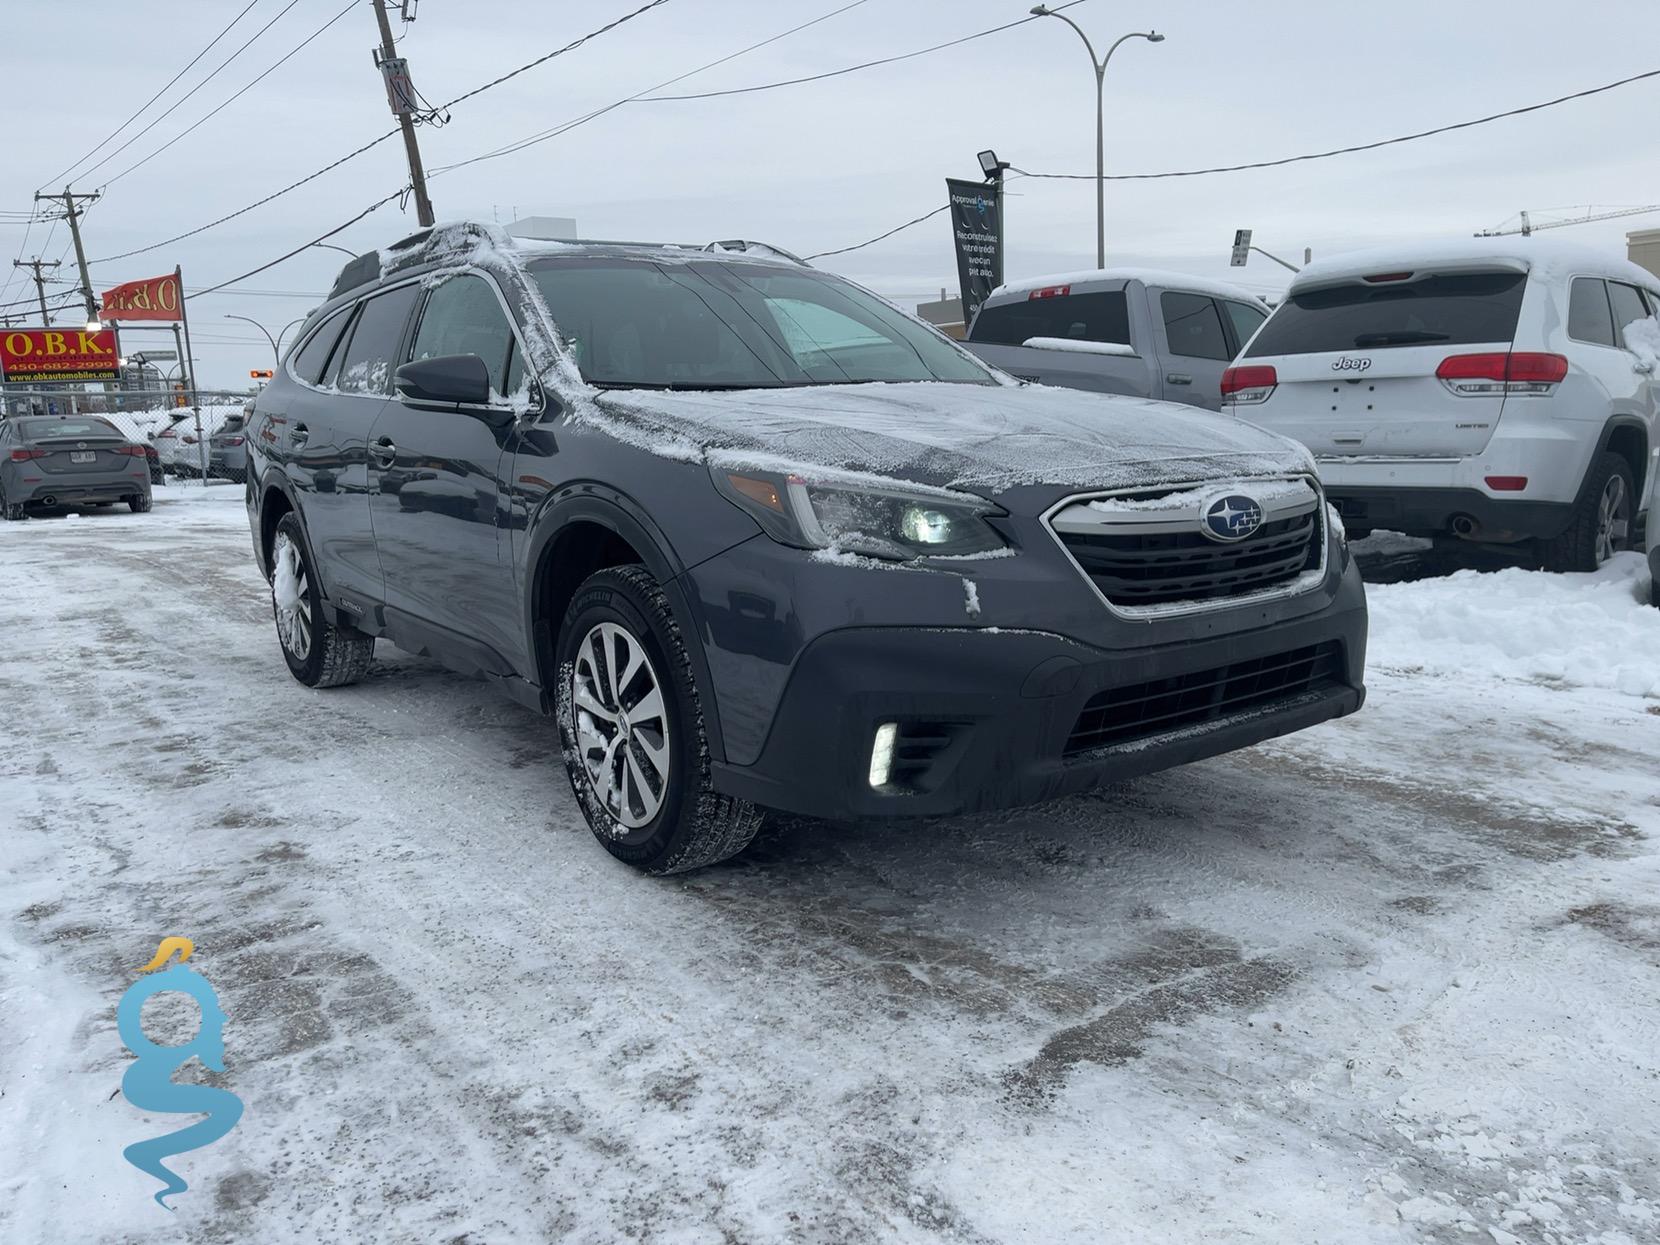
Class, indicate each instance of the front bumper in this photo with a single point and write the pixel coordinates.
(1006, 702)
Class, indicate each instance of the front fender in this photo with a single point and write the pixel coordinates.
(592, 502)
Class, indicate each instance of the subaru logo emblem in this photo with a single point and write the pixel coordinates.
(1230, 518)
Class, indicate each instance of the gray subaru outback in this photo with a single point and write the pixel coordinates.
(759, 541)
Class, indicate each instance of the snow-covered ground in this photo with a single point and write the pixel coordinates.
(1393, 979)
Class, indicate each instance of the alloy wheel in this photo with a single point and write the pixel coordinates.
(288, 582)
(622, 724)
(1613, 518)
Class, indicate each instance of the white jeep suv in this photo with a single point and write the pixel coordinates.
(1499, 390)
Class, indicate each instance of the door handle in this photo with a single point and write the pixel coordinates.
(298, 434)
(1177, 378)
(383, 449)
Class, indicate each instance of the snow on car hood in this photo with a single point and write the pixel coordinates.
(985, 439)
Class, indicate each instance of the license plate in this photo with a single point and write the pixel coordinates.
(83, 456)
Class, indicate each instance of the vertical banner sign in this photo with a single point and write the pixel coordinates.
(977, 226)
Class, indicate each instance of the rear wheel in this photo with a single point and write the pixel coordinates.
(140, 503)
(13, 511)
(631, 730)
(1602, 519)
(318, 653)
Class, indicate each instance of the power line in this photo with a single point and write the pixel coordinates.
(352, 155)
(836, 73)
(190, 233)
(188, 66)
(1267, 164)
(555, 131)
(378, 203)
(172, 108)
(542, 60)
(1343, 151)
(352, 4)
(859, 246)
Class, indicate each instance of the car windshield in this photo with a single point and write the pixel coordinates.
(50, 429)
(640, 323)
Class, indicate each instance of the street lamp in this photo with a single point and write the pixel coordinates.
(1100, 67)
(262, 329)
(284, 334)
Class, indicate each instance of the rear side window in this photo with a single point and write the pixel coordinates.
(1588, 316)
(1103, 317)
(1628, 305)
(1193, 326)
(464, 316)
(1455, 309)
(313, 357)
(367, 361)
(1245, 319)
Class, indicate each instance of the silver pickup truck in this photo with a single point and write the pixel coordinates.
(1136, 331)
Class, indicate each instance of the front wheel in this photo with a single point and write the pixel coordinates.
(631, 730)
(318, 653)
(1601, 524)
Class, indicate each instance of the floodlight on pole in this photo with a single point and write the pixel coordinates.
(991, 166)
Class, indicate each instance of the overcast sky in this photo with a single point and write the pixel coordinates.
(826, 164)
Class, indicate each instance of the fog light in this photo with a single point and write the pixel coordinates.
(881, 753)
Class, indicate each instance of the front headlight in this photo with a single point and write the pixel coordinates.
(814, 509)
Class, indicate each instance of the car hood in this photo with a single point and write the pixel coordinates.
(987, 439)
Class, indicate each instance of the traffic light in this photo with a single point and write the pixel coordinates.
(261, 373)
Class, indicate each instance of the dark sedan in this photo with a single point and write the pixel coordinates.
(51, 461)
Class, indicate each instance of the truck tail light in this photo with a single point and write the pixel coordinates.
(1516, 371)
(1249, 385)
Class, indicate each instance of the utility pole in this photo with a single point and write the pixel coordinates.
(40, 284)
(72, 214)
(400, 94)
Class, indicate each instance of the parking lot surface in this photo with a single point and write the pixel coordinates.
(1392, 979)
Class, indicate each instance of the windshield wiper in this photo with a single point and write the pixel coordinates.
(1406, 337)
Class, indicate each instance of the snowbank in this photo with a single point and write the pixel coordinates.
(1587, 630)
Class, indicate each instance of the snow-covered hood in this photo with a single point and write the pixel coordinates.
(985, 439)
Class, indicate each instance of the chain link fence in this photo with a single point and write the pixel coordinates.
(198, 442)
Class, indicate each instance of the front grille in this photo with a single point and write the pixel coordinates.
(1154, 568)
(1124, 714)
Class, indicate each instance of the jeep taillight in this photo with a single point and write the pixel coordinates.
(1516, 371)
(1248, 385)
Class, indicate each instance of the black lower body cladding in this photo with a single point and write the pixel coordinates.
(990, 718)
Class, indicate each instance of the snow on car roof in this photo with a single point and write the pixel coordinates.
(1546, 257)
(1163, 277)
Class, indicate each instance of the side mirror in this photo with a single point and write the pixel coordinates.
(1644, 367)
(449, 380)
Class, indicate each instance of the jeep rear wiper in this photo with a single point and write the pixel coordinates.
(1407, 337)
